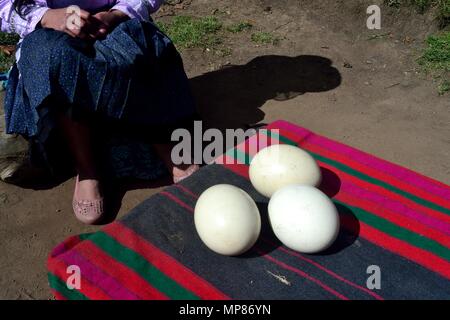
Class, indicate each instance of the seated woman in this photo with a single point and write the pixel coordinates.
(81, 61)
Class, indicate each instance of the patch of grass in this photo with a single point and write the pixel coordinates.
(442, 8)
(436, 59)
(264, 38)
(8, 39)
(224, 52)
(444, 13)
(379, 36)
(239, 27)
(191, 32)
(5, 62)
(393, 3)
(444, 87)
(436, 55)
(422, 5)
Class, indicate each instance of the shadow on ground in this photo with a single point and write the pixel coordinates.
(232, 97)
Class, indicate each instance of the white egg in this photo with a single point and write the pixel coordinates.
(303, 218)
(227, 220)
(278, 166)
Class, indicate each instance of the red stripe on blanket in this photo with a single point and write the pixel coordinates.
(394, 217)
(401, 173)
(58, 296)
(176, 200)
(432, 218)
(165, 263)
(345, 161)
(59, 268)
(422, 257)
(381, 190)
(370, 171)
(95, 275)
(129, 278)
(302, 274)
(331, 273)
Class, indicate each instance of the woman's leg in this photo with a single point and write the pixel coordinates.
(163, 146)
(160, 139)
(81, 140)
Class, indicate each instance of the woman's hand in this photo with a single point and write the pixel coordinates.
(77, 23)
(111, 19)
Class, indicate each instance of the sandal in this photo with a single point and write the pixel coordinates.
(87, 211)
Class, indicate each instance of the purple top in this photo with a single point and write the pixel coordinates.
(11, 22)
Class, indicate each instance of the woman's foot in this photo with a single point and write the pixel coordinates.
(181, 173)
(88, 203)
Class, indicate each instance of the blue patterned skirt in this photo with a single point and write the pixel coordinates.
(135, 75)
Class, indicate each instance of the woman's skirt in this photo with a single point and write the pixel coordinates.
(135, 75)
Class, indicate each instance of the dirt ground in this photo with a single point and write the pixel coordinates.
(327, 73)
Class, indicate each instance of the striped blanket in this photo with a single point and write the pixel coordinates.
(393, 244)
